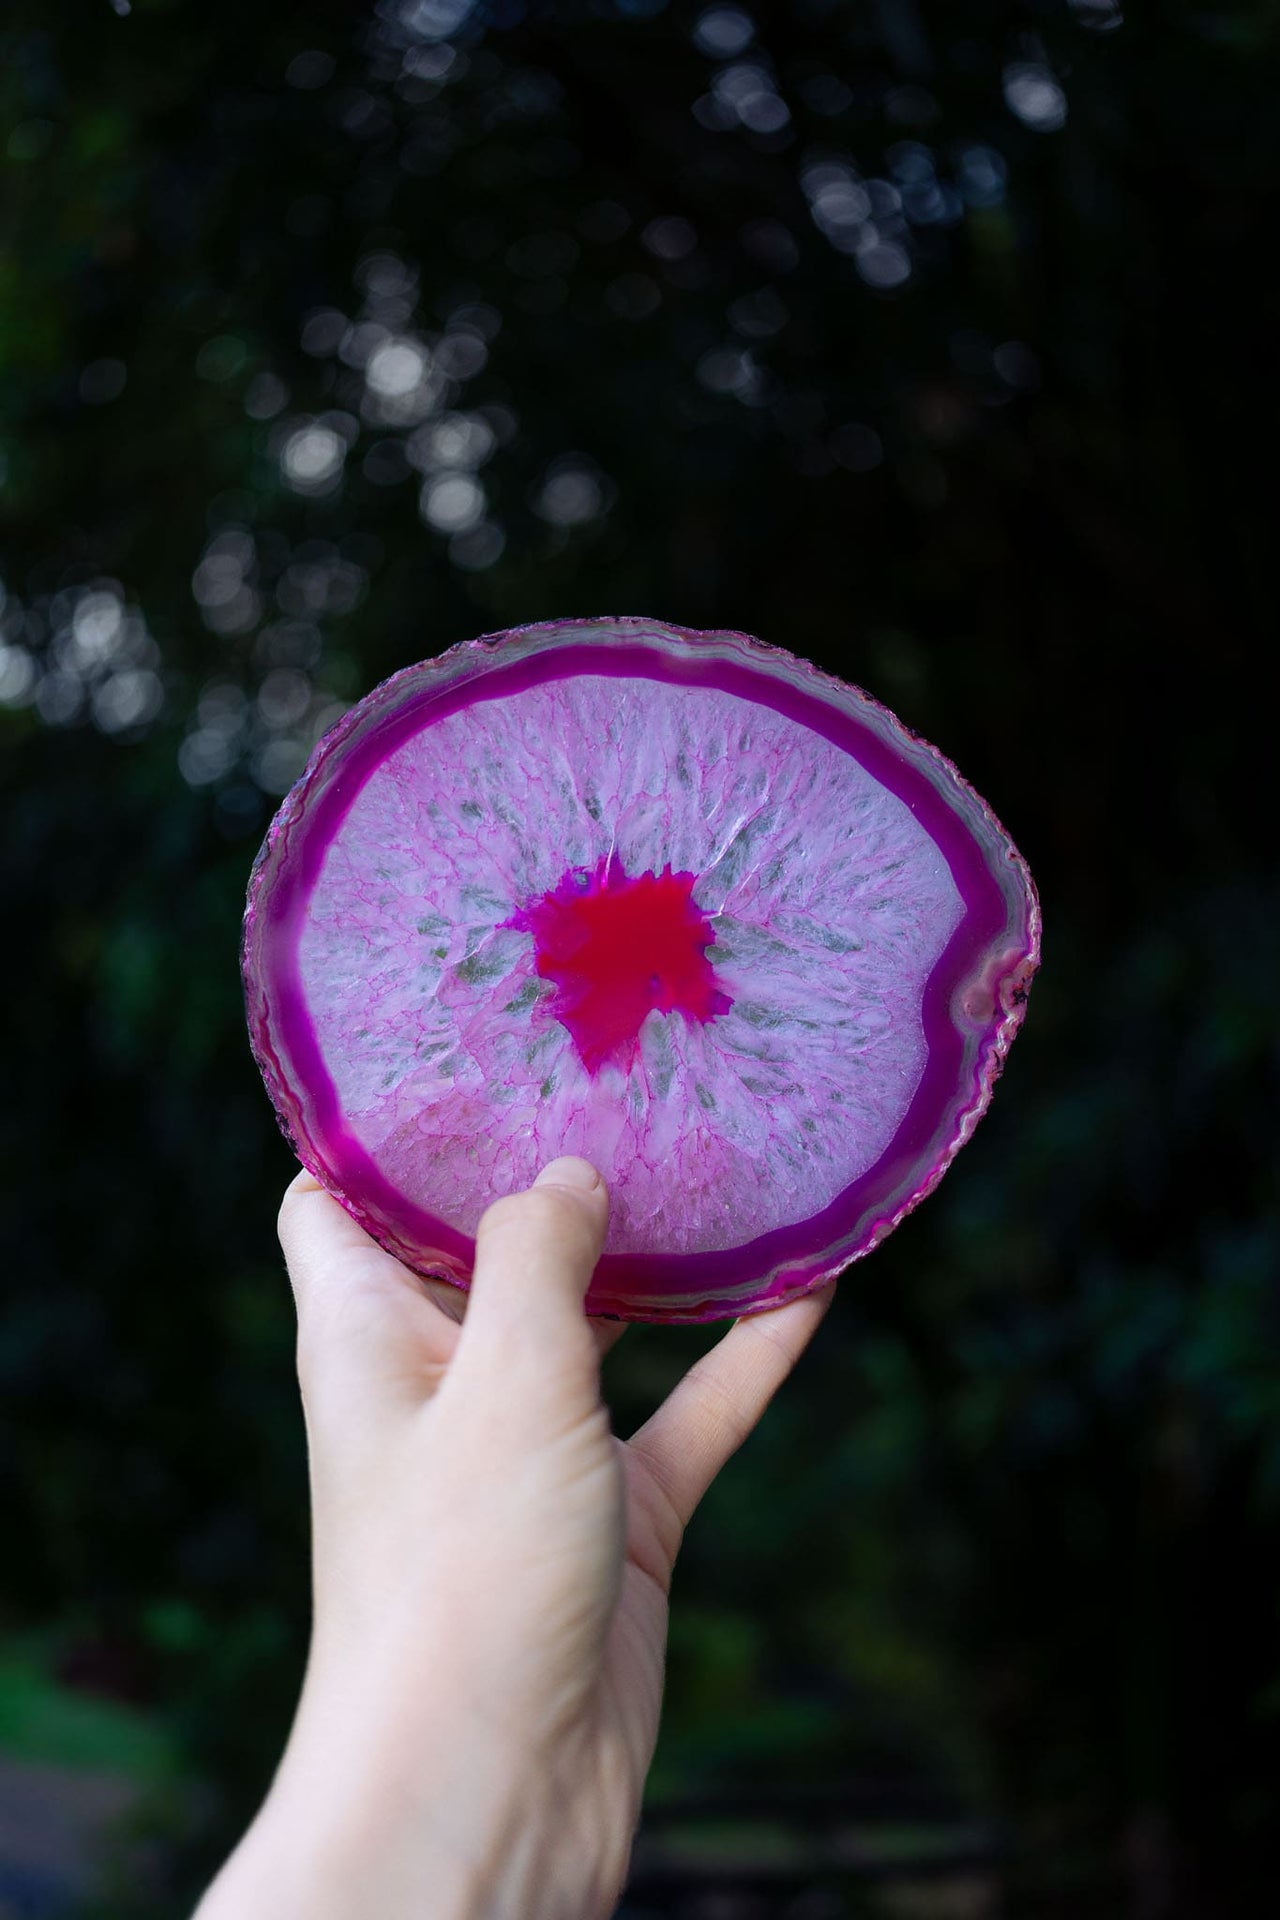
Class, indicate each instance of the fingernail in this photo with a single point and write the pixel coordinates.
(569, 1171)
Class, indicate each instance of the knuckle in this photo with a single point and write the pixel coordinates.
(336, 1334)
(781, 1350)
(720, 1409)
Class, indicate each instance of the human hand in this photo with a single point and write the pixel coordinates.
(491, 1570)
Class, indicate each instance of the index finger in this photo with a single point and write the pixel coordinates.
(707, 1416)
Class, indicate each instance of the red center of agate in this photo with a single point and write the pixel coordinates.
(618, 949)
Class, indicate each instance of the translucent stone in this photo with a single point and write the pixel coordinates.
(677, 902)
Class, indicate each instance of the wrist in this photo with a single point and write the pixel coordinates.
(397, 1816)
(287, 1869)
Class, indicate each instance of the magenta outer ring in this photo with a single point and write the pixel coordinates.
(974, 999)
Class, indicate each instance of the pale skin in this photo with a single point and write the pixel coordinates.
(491, 1569)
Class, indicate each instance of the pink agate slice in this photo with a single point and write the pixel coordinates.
(674, 901)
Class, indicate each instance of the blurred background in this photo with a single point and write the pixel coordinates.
(936, 344)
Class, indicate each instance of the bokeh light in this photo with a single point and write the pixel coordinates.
(1032, 92)
(312, 457)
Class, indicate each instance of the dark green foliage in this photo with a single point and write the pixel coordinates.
(1014, 1530)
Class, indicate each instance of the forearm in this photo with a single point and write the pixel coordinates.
(281, 1873)
(323, 1861)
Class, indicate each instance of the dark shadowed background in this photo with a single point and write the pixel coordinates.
(935, 344)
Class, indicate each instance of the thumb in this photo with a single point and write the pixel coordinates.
(535, 1254)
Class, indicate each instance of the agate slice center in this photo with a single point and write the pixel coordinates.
(617, 949)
